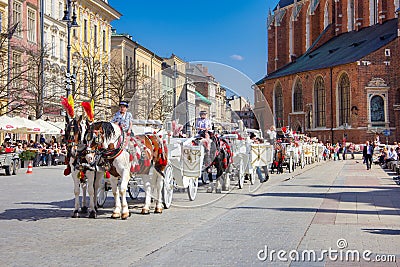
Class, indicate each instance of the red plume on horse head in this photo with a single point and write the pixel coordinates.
(89, 109)
(68, 104)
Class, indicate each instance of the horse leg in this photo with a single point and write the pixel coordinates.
(117, 202)
(124, 186)
(97, 183)
(91, 191)
(218, 179)
(147, 202)
(158, 183)
(76, 193)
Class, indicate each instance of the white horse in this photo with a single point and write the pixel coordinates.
(123, 155)
(84, 176)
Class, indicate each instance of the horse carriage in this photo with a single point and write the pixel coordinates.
(289, 159)
(240, 167)
(184, 168)
(261, 156)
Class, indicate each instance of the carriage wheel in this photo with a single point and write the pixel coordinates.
(192, 188)
(253, 176)
(101, 194)
(241, 174)
(133, 190)
(168, 187)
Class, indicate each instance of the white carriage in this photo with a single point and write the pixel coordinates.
(290, 155)
(241, 158)
(261, 156)
(185, 163)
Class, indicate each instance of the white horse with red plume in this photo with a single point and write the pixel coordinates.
(123, 156)
(83, 175)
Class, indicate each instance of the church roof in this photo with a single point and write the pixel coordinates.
(343, 49)
(283, 3)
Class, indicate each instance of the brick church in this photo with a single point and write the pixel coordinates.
(334, 69)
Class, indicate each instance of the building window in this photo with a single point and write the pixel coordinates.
(377, 109)
(31, 25)
(298, 97)
(85, 37)
(278, 103)
(74, 70)
(95, 36)
(60, 10)
(319, 98)
(326, 15)
(16, 69)
(104, 40)
(61, 49)
(85, 83)
(308, 29)
(104, 86)
(53, 46)
(344, 99)
(350, 15)
(17, 17)
(373, 12)
(53, 8)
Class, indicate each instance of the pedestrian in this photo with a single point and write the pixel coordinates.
(367, 154)
(352, 147)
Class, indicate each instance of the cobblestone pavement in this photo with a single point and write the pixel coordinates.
(310, 209)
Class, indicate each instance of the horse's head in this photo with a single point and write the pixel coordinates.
(75, 130)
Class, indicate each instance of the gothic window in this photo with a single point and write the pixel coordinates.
(373, 12)
(344, 99)
(319, 98)
(377, 109)
(278, 101)
(308, 26)
(350, 15)
(326, 15)
(298, 97)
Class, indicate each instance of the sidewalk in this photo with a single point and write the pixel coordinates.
(362, 207)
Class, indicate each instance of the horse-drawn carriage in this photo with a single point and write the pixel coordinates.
(184, 168)
(261, 156)
(240, 166)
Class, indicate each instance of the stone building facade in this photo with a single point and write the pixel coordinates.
(333, 69)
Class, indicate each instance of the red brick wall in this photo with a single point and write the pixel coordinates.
(359, 76)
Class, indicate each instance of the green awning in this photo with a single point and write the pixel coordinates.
(202, 98)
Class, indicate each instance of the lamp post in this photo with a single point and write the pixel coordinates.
(71, 23)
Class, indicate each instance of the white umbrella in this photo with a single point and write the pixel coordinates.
(7, 123)
(47, 128)
(26, 126)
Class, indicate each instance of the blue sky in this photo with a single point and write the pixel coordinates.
(228, 32)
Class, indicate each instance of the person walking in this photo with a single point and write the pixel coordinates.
(367, 154)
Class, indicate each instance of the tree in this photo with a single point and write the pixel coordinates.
(42, 97)
(121, 80)
(13, 68)
(92, 69)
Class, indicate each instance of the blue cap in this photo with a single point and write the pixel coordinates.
(124, 103)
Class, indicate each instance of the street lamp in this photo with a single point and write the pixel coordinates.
(71, 23)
